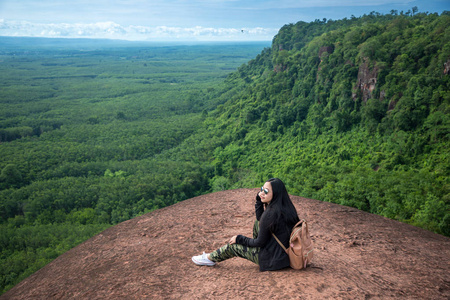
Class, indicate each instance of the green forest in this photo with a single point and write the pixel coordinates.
(83, 126)
(352, 111)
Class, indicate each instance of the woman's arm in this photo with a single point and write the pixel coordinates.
(259, 207)
(262, 239)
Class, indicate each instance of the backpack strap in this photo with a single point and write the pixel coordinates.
(281, 244)
(301, 222)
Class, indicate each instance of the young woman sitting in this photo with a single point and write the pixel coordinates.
(275, 213)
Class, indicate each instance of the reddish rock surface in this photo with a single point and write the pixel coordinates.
(358, 256)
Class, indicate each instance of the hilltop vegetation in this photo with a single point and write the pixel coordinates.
(354, 112)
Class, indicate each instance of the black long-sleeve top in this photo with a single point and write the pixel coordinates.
(271, 255)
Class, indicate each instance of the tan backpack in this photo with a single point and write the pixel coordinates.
(301, 248)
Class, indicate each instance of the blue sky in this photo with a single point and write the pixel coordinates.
(182, 19)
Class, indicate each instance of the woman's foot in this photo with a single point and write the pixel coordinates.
(203, 260)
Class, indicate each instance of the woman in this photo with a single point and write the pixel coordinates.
(275, 214)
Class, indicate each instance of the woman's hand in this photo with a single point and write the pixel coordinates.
(232, 240)
(258, 198)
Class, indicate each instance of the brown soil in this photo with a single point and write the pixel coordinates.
(358, 256)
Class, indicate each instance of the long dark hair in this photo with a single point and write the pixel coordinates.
(280, 209)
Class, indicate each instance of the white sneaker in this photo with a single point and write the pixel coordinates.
(202, 260)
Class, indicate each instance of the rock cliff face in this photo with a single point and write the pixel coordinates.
(322, 51)
(357, 256)
(447, 67)
(366, 81)
(328, 49)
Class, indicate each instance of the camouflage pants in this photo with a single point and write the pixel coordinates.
(237, 250)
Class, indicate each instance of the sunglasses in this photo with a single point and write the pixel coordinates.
(266, 191)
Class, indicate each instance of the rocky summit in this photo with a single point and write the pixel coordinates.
(357, 256)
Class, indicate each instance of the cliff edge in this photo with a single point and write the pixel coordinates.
(357, 256)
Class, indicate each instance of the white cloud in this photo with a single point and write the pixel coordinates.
(111, 30)
(329, 3)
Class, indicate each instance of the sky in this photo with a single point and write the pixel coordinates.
(183, 20)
